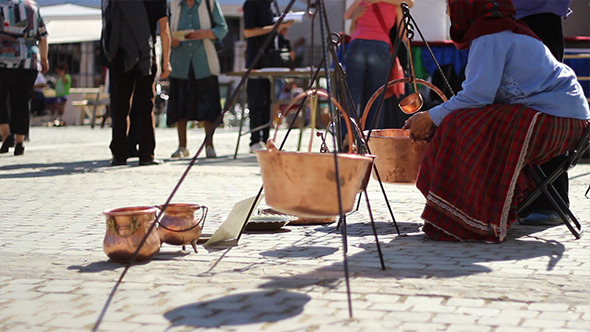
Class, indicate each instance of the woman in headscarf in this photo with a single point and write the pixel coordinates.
(519, 105)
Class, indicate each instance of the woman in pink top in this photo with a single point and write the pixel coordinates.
(367, 57)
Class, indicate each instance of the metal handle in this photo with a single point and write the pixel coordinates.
(398, 81)
(324, 94)
(202, 219)
(112, 226)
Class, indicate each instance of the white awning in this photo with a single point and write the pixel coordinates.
(70, 23)
(73, 31)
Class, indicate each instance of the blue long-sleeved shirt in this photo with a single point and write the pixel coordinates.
(509, 68)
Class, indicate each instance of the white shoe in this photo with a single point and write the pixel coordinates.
(180, 153)
(210, 152)
(257, 147)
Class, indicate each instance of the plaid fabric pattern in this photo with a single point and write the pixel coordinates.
(470, 171)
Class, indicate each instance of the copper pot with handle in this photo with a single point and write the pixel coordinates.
(304, 184)
(126, 227)
(180, 226)
(398, 157)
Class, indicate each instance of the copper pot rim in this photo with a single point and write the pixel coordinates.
(351, 156)
(130, 210)
(379, 133)
(179, 207)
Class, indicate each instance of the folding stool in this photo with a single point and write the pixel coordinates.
(544, 184)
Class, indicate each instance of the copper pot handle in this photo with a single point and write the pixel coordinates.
(398, 81)
(321, 93)
(112, 226)
(202, 219)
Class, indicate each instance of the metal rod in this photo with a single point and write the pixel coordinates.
(374, 231)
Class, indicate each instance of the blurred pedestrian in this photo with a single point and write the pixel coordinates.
(63, 83)
(258, 23)
(369, 52)
(38, 99)
(194, 87)
(128, 39)
(23, 53)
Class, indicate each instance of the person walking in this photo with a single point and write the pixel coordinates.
(194, 87)
(128, 43)
(23, 53)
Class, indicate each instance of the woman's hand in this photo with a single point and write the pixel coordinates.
(166, 70)
(175, 42)
(421, 126)
(201, 34)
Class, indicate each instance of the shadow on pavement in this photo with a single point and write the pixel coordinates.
(361, 229)
(241, 160)
(94, 267)
(417, 257)
(300, 251)
(55, 169)
(87, 166)
(239, 309)
(109, 265)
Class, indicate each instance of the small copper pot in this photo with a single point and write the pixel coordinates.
(399, 158)
(126, 227)
(180, 226)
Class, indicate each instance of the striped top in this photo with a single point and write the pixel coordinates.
(21, 27)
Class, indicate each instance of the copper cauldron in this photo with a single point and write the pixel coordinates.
(126, 227)
(180, 226)
(304, 184)
(399, 157)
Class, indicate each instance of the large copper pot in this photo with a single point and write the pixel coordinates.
(126, 227)
(180, 226)
(304, 184)
(399, 158)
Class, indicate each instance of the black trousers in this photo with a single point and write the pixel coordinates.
(548, 27)
(124, 86)
(16, 89)
(258, 94)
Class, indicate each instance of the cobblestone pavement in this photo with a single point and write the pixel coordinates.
(55, 277)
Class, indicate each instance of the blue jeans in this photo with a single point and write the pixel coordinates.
(367, 68)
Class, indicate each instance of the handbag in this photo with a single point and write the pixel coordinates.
(218, 44)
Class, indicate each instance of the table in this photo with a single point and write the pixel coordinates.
(94, 98)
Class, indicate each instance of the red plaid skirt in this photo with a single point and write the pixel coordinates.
(470, 174)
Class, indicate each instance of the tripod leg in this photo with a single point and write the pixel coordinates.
(374, 231)
(345, 261)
